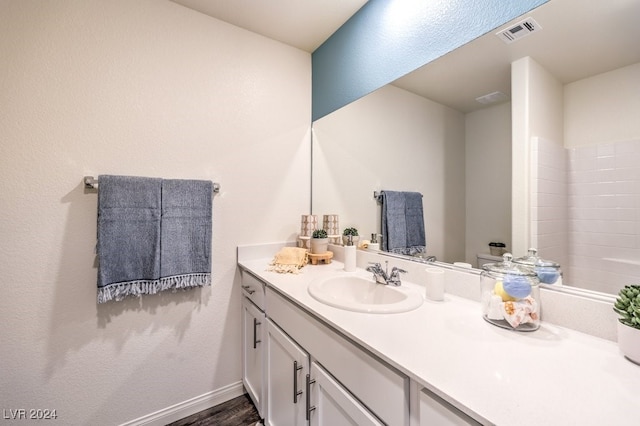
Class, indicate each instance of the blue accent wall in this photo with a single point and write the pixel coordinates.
(387, 39)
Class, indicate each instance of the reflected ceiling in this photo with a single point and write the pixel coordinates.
(457, 78)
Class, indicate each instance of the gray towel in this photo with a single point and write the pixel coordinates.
(403, 223)
(153, 235)
(186, 233)
(128, 236)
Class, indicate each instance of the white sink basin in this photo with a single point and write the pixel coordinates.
(360, 294)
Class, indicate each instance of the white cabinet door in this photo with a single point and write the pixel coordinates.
(438, 412)
(253, 325)
(287, 367)
(331, 405)
(384, 390)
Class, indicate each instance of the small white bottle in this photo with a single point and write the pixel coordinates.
(350, 256)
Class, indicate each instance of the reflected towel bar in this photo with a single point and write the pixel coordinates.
(92, 183)
(378, 196)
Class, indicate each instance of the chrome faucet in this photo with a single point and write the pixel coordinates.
(378, 274)
(382, 277)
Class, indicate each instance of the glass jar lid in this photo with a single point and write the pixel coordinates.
(532, 260)
(508, 266)
(548, 271)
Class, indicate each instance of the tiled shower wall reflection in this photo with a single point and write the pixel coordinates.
(602, 212)
(549, 230)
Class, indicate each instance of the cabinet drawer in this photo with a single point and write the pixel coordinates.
(253, 288)
(333, 405)
(381, 388)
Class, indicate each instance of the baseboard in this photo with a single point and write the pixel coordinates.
(189, 407)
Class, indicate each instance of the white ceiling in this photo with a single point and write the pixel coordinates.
(304, 24)
(578, 39)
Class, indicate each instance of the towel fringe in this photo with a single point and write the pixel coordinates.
(184, 281)
(119, 291)
(409, 251)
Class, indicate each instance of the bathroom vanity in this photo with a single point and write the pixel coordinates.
(441, 363)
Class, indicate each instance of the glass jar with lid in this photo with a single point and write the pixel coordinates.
(510, 295)
(548, 271)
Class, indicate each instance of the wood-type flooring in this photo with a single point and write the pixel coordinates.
(239, 411)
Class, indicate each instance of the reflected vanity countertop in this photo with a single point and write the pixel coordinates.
(551, 376)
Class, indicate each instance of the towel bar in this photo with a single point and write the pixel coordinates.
(92, 183)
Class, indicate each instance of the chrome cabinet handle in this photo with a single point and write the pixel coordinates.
(309, 407)
(296, 392)
(255, 326)
(248, 289)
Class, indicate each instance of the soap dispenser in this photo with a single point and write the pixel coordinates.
(350, 256)
(374, 245)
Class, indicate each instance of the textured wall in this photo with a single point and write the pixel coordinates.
(142, 88)
(387, 39)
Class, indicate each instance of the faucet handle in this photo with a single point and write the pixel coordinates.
(396, 270)
(374, 267)
(394, 278)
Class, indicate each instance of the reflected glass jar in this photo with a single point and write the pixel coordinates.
(510, 295)
(548, 272)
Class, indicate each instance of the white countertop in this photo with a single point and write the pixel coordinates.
(552, 376)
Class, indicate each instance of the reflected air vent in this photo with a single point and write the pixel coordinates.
(492, 98)
(519, 30)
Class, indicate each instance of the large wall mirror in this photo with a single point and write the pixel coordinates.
(426, 132)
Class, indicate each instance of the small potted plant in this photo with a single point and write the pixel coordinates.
(319, 241)
(627, 305)
(354, 236)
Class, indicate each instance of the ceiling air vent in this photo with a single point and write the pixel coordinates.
(519, 30)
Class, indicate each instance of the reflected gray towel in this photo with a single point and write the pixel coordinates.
(414, 220)
(394, 226)
(153, 235)
(403, 223)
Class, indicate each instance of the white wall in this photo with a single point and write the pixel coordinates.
(602, 134)
(584, 210)
(603, 108)
(537, 112)
(395, 140)
(488, 179)
(140, 88)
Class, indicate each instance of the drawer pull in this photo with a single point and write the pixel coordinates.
(309, 407)
(248, 289)
(255, 334)
(296, 392)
